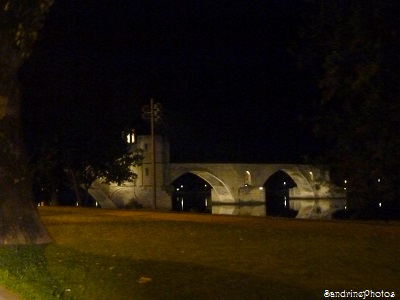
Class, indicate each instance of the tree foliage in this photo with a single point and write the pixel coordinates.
(353, 46)
(75, 161)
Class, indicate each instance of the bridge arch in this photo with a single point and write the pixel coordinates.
(220, 191)
(277, 198)
(303, 186)
(283, 187)
(191, 193)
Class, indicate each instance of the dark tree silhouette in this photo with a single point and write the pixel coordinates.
(353, 47)
(20, 22)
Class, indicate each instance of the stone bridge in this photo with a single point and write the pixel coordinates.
(245, 189)
(227, 180)
(242, 188)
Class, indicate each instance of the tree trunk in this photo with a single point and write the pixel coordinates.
(53, 196)
(19, 218)
(76, 187)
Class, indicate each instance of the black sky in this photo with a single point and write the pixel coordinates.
(230, 90)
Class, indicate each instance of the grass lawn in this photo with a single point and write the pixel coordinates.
(113, 254)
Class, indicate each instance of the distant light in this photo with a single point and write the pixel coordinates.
(379, 180)
(248, 172)
(205, 185)
(345, 181)
(285, 203)
(380, 204)
(344, 188)
(284, 183)
(345, 207)
(177, 189)
(181, 186)
(246, 185)
(261, 188)
(206, 202)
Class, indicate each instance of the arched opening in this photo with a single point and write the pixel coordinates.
(191, 193)
(247, 178)
(277, 198)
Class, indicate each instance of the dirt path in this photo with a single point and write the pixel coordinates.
(8, 295)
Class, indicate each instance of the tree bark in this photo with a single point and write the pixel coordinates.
(19, 218)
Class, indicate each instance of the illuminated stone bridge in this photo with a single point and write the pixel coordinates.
(304, 191)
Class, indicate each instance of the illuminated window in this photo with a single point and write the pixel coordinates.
(130, 136)
(247, 178)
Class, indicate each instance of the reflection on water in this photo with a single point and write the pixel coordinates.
(236, 209)
(294, 208)
(190, 202)
(298, 208)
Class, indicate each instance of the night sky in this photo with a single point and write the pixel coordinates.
(230, 89)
